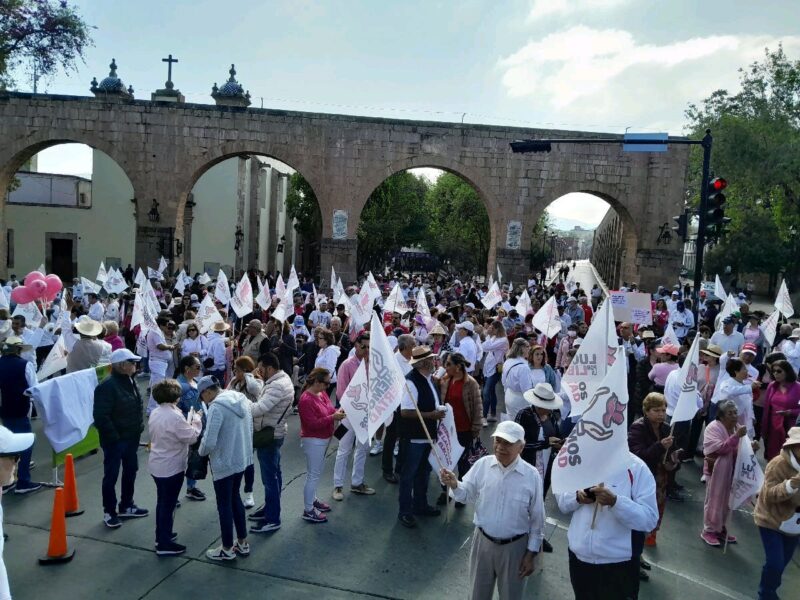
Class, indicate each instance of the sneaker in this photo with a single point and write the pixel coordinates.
(249, 501)
(264, 527)
(195, 494)
(703, 478)
(171, 549)
(336, 495)
(111, 521)
(256, 515)
(376, 449)
(241, 548)
(322, 506)
(172, 538)
(484, 422)
(407, 521)
(709, 538)
(362, 489)
(27, 487)
(391, 478)
(10, 487)
(731, 539)
(219, 553)
(32, 465)
(313, 516)
(133, 512)
(492, 418)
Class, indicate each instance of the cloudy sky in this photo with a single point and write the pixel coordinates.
(599, 65)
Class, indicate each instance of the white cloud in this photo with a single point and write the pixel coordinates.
(607, 75)
(545, 8)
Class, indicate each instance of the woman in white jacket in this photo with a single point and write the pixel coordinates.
(516, 377)
(246, 383)
(495, 347)
(328, 356)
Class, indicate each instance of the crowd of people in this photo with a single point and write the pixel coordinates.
(218, 397)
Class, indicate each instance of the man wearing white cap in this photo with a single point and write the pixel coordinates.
(12, 447)
(466, 344)
(509, 515)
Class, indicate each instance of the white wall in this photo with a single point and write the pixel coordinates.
(107, 229)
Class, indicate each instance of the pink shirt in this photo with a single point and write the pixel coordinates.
(346, 371)
(170, 438)
(115, 341)
(316, 415)
(658, 374)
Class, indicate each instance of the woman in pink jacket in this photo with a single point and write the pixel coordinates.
(317, 420)
(781, 407)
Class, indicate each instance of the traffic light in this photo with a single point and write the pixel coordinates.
(681, 227)
(715, 211)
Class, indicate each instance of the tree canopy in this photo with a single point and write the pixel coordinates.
(45, 34)
(757, 149)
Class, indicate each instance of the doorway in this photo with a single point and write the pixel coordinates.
(61, 252)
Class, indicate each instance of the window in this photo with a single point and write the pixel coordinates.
(211, 268)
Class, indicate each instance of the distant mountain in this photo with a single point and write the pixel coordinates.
(569, 224)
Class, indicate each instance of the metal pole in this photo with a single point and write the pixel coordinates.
(701, 227)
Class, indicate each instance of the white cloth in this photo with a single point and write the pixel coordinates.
(402, 363)
(494, 348)
(728, 343)
(469, 349)
(216, 350)
(610, 539)
(194, 345)
(96, 312)
(508, 500)
(65, 406)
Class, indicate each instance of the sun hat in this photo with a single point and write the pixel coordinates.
(795, 333)
(14, 443)
(648, 334)
(713, 350)
(438, 329)
(510, 432)
(543, 396)
(420, 353)
(89, 327)
(668, 349)
(122, 355)
(792, 438)
(13, 343)
(220, 326)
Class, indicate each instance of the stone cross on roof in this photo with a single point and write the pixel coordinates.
(169, 60)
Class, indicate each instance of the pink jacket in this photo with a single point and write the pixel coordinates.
(316, 415)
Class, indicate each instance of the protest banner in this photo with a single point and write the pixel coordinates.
(719, 291)
(446, 449)
(633, 307)
(546, 318)
(747, 475)
(56, 360)
(374, 289)
(29, 310)
(140, 278)
(263, 299)
(242, 299)
(361, 306)
(204, 279)
(333, 280)
(102, 274)
(770, 327)
(153, 274)
(293, 283)
(523, 304)
(162, 265)
(783, 302)
(115, 282)
(355, 402)
(395, 303)
(222, 291)
(89, 287)
(280, 287)
(386, 381)
(728, 308)
(492, 297)
(180, 282)
(689, 400)
(207, 314)
(670, 337)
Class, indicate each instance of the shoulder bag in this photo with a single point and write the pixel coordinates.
(265, 436)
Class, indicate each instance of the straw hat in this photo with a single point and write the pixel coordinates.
(793, 437)
(438, 329)
(14, 343)
(543, 396)
(420, 353)
(89, 327)
(713, 350)
(220, 326)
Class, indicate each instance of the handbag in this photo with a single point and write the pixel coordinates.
(197, 466)
(266, 435)
(476, 451)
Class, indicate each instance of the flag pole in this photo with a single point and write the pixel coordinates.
(666, 450)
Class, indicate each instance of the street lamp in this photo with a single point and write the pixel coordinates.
(154, 215)
(239, 236)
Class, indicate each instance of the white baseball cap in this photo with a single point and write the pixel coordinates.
(14, 443)
(466, 325)
(123, 354)
(510, 431)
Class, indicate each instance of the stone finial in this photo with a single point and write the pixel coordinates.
(231, 93)
(112, 85)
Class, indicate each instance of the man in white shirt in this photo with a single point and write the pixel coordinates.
(19, 329)
(605, 532)
(96, 309)
(682, 320)
(160, 354)
(391, 468)
(466, 344)
(728, 339)
(672, 303)
(509, 515)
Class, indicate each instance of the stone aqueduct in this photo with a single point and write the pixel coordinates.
(165, 147)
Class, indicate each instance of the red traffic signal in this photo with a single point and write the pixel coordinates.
(717, 184)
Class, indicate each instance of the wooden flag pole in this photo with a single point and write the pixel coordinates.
(666, 450)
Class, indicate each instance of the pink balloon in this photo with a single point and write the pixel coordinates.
(21, 295)
(54, 286)
(33, 276)
(39, 288)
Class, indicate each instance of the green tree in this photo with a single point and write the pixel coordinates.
(303, 207)
(540, 248)
(757, 149)
(459, 227)
(42, 33)
(394, 216)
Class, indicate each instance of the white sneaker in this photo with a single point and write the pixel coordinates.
(376, 449)
(249, 502)
(703, 478)
(484, 423)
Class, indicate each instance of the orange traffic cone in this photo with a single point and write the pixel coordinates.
(70, 489)
(57, 550)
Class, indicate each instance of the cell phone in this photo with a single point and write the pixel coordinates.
(590, 494)
(340, 432)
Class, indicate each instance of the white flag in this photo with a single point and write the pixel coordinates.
(89, 287)
(597, 448)
(140, 278)
(56, 360)
(747, 475)
(689, 400)
(728, 308)
(222, 293)
(719, 291)
(66, 327)
(162, 265)
(3, 299)
(284, 308)
(770, 327)
(242, 300)
(316, 298)
(499, 275)
(102, 274)
(152, 274)
(523, 305)
(355, 403)
(589, 366)
(263, 299)
(333, 281)
(280, 287)
(293, 283)
(783, 302)
(204, 279)
(361, 306)
(571, 286)
(670, 337)
(150, 297)
(180, 282)
(115, 282)
(208, 314)
(29, 310)
(547, 320)
(374, 290)
(386, 381)
(446, 446)
(422, 309)
(395, 303)
(492, 297)
(339, 296)
(41, 269)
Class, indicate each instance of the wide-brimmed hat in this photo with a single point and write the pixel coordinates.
(712, 350)
(220, 326)
(16, 343)
(420, 353)
(438, 329)
(454, 304)
(795, 333)
(14, 443)
(668, 349)
(648, 334)
(89, 327)
(543, 396)
(792, 438)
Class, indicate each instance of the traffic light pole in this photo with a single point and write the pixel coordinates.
(700, 242)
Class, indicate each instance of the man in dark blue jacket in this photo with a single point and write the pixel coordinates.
(118, 419)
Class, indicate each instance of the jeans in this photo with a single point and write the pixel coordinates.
(230, 508)
(249, 478)
(414, 477)
(116, 454)
(343, 456)
(778, 549)
(389, 440)
(490, 394)
(269, 459)
(314, 449)
(21, 425)
(167, 490)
